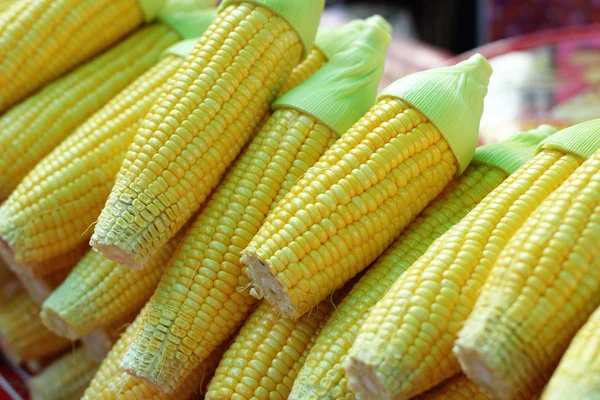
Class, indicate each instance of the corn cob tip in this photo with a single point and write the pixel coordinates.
(302, 15)
(113, 252)
(368, 386)
(452, 99)
(126, 365)
(55, 323)
(266, 284)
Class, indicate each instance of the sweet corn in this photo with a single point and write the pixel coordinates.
(404, 346)
(199, 303)
(22, 335)
(460, 387)
(578, 374)
(31, 129)
(111, 383)
(98, 293)
(64, 379)
(43, 39)
(263, 361)
(215, 102)
(371, 184)
(53, 209)
(323, 376)
(545, 283)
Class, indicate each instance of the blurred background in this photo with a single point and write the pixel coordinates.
(545, 53)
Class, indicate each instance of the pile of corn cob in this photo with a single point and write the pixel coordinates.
(264, 226)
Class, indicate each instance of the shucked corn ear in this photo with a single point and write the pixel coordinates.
(578, 374)
(31, 129)
(53, 209)
(98, 292)
(22, 335)
(368, 187)
(460, 387)
(64, 379)
(323, 376)
(198, 303)
(545, 283)
(263, 361)
(215, 102)
(43, 39)
(404, 346)
(111, 383)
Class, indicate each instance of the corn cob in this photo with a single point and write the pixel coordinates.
(216, 101)
(460, 387)
(375, 179)
(323, 376)
(404, 346)
(545, 283)
(99, 292)
(578, 374)
(111, 383)
(198, 304)
(31, 129)
(65, 379)
(264, 360)
(43, 39)
(53, 209)
(22, 334)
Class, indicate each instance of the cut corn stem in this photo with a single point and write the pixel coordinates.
(323, 375)
(541, 290)
(64, 379)
(194, 132)
(578, 374)
(53, 210)
(44, 39)
(264, 360)
(99, 293)
(23, 337)
(404, 346)
(111, 383)
(31, 129)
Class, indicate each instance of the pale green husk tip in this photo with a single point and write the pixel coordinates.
(342, 91)
(511, 154)
(189, 24)
(302, 15)
(333, 40)
(582, 139)
(181, 49)
(151, 8)
(452, 99)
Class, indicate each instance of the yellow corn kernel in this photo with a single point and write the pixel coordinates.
(311, 64)
(578, 374)
(31, 129)
(99, 293)
(460, 387)
(22, 335)
(216, 101)
(404, 346)
(5, 4)
(43, 39)
(263, 361)
(198, 303)
(323, 376)
(340, 217)
(111, 383)
(541, 290)
(64, 379)
(53, 209)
